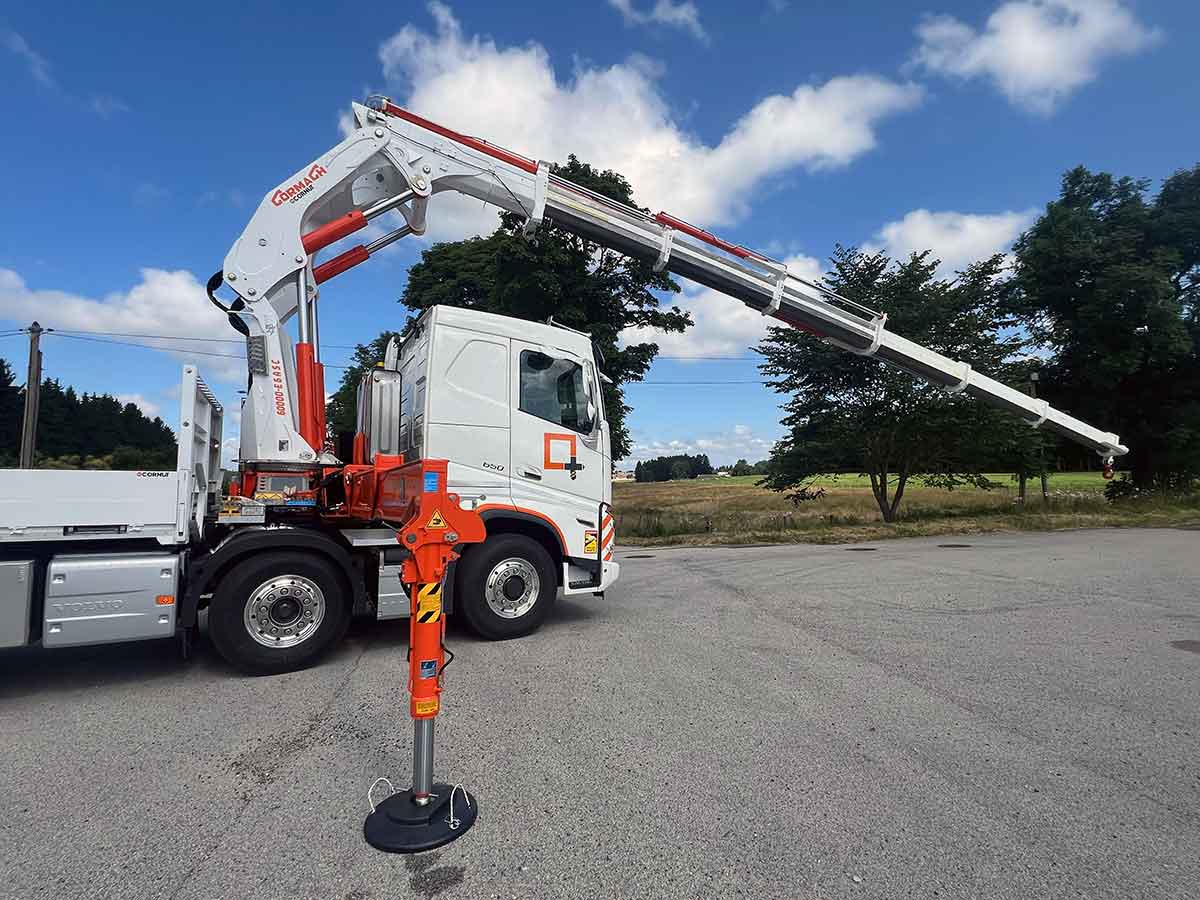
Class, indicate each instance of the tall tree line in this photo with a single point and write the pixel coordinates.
(74, 427)
(673, 468)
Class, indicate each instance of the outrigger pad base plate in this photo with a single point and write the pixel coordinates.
(398, 825)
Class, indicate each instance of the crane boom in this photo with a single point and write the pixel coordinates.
(396, 160)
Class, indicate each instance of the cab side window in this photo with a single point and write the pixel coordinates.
(552, 389)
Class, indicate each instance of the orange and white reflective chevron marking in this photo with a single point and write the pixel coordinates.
(608, 531)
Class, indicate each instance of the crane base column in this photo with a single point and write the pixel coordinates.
(400, 825)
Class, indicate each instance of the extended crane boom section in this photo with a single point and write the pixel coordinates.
(396, 160)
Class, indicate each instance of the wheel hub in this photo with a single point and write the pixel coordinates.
(284, 611)
(512, 588)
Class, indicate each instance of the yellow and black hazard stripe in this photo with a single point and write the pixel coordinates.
(429, 603)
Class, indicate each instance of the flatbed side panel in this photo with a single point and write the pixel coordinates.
(16, 595)
(74, 505)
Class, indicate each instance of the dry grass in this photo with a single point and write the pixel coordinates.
(737, 511)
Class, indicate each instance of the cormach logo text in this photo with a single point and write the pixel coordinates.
(300, 188)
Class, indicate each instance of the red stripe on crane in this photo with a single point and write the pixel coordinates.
(479, 144)
(340, 263)
(333, 231)
(708, 237)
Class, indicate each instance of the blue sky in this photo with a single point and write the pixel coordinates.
(139, 139)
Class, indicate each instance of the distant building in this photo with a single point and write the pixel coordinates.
(622, 475)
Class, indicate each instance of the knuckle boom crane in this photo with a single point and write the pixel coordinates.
(479, 477)
(395, 160)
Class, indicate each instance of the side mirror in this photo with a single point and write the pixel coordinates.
(591, 414)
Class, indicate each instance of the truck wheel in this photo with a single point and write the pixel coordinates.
(278, 612)
(505, 587)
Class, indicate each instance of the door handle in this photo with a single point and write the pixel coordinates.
(530, 472)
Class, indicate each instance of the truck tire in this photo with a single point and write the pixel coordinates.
(505, 587)
(279, 611)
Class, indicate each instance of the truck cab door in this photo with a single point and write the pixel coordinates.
(558, 449)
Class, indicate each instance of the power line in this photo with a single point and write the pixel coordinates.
(331, 346)
(94, 340)
(107, 337)
(183, 350)
(164, 337)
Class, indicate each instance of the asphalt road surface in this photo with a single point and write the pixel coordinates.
(1002, 716)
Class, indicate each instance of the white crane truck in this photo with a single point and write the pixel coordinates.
(479, 413)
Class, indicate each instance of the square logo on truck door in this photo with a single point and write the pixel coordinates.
(559, 452)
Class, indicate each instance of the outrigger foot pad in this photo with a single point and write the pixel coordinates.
(400, 825)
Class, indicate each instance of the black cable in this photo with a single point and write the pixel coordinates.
(79, 337)
(215, 282)
(446, 664)
(163, 337)
(184, 337)
(218, 278)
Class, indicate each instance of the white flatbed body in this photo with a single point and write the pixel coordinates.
(75, 505)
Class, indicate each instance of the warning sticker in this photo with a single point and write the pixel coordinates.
(429, 603)
(436, 520)
(429, 668)
(590, 539)
(425, 707)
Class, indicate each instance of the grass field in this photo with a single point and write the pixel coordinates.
(737, 511)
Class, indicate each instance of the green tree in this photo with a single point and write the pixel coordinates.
(12, 405)
(84, 430)
(673, 468)
(575, 280)
(1109, 281)
(848, 411)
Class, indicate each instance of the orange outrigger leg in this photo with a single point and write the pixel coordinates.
(427, 815)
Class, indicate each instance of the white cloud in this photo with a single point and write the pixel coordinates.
(616, 117)
(722, 447)
(166, 303)
(724, 326)
(1036, 52)
(149, 193)
(957, 239)
(682, 15)
(148, 407)
(39, 66)
(103, 105)
(106, 106)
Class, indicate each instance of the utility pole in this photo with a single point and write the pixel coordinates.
(33, 394)
(1033, 383)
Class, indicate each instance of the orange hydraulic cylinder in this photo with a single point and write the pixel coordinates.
(307, 390)
(427, 629)
(319, 403)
